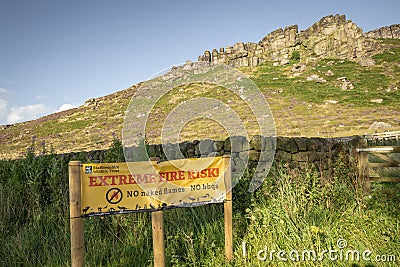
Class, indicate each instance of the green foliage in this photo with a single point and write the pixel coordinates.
(295, 56)
(369, 83)
(34, 207)
(115, 153)
(291, 210)
(306, 211)
(392, 55)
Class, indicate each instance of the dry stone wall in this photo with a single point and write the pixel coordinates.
(296, 151)
(292, 152)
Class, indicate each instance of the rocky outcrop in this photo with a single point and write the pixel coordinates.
(332, 36)
(391, 32)
(238, 55)
(279, 44)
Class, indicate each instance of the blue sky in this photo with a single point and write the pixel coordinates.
(57, 54)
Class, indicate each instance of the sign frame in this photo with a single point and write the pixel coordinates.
(76, 216)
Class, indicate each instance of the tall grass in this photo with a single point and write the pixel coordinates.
(293, 210)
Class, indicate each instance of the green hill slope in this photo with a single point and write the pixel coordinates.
(323, 97)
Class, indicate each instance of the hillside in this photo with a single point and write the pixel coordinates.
(329, 80)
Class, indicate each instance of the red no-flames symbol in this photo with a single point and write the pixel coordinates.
(114, 196)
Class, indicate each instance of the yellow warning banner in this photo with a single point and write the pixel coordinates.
(108, 188)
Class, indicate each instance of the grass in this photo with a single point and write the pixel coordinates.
(369, 83)
(51, 128)
(391, 55)
(292, 210)
(198, 127)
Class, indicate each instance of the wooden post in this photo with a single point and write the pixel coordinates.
(157, 221)
(228, 209)
(158, 238)
(363, 176)
(76, 221)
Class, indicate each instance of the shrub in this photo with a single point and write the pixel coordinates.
(295, 56)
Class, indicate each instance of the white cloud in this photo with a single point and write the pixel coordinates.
(3, 108)
(3, 104)
(28, 112)
(65, 107)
